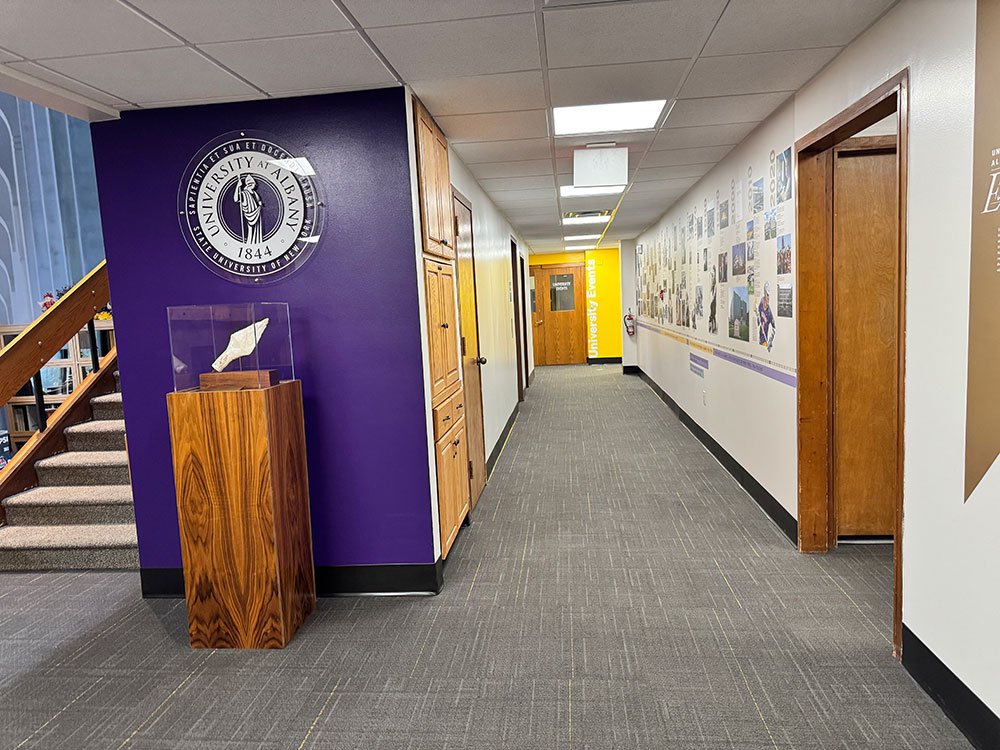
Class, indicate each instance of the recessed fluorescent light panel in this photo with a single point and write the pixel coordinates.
(578, 237)
(571, 191)
(607, 118)
(589, 246)
(586, 220)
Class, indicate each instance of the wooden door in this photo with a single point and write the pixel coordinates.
(451, 362)
(446, 493)
(461, 459)
(435, 329)
(427, 175)
(865, 319)
(472, 360)
(560, 316)
(537, 317)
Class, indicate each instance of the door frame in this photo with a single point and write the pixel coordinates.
(814, 277)
(517, 285)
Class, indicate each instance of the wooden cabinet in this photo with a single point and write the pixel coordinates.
(442, 327)
(453, 483)
(434, 184)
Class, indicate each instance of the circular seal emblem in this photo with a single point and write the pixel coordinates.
(250, 208)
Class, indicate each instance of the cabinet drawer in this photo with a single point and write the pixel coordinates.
(444, 418)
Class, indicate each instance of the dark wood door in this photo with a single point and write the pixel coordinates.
(472, 359)
(559, 317)
(865, 319)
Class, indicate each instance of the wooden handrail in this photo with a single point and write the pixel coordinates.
(40, 341)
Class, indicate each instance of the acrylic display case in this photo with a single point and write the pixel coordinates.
(230, 346)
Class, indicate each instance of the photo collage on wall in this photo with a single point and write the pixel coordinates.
(727, 258)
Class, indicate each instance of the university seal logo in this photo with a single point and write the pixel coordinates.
(249, 208)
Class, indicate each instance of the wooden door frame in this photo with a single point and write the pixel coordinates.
(814, 230)
(516, 286)
(522, 267)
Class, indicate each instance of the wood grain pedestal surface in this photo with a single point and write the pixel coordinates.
(243, 507)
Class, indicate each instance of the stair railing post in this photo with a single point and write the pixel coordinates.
(95, 360)
(36, 386)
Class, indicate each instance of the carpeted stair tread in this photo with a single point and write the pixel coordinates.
(83, 459)
(107, 407)
(107, 398)
(89, 536)
(97, 494)
(98, 425)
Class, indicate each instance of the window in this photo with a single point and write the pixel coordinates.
(561, 292)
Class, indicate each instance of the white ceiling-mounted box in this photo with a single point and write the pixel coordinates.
(600, 167)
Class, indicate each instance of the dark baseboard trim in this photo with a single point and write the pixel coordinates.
(973, 717)
(347, 580)
(498, 448)
(379, 579)
(631, 370)
(604, 360)
(784, 520)
(162, 583)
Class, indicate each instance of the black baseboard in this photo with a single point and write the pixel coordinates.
(604, 360)
(379, 579)
(631, 370)
(784, 520)
(973, 717)
(162, 583)
(498, 448)
(168, 583)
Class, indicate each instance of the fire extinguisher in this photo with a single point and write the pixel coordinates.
(629, 323)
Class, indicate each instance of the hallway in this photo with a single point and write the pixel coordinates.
(617, 589)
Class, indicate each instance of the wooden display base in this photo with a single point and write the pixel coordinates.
(220, 381)
(243, 508)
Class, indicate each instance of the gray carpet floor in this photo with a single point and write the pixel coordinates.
(617, 589)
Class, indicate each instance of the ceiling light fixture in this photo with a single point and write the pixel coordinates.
(571, 248)
(578, 237)
(571, 191)
(607, 118)
(586, 220)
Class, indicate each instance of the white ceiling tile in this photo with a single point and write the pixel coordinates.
(663, 186)
(634, 32)
(756, 73)
(54, 28)
(460, 48)
(592, 203)
(490, 93)
(646, 174)
(709, 135)
(630, 82)
(684, 156)
(58, 79)
(128, 75)
(717, 110)
(194, 102)
(528, 168)
(199, 21)
(495, 126)
(370, 13)
(531, 148)
(765, 25)
(6, 56)
(526, 194)
(311, 62)
(519, 183)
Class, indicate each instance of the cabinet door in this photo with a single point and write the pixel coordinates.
(436, 327)
(428, 176)
(462, 494)
(446, 482)
(445, 210)
(451, 362)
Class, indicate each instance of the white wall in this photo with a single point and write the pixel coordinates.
(630, 350)
(491, 234)
(951, 559)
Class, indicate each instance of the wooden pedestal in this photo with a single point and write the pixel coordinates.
(243, 507)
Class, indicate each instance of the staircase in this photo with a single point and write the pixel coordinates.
(80, 515)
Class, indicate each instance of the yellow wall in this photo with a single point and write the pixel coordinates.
(602, 272)
(554, 259)
(602, 282)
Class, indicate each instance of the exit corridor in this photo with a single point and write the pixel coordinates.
(617, 589)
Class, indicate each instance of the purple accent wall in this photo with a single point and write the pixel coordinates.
(354, 308)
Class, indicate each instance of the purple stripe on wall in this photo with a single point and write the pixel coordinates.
(782, 377)
(700, 361)
(354, 314)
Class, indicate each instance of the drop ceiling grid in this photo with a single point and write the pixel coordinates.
(489, 70)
